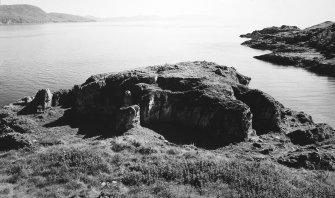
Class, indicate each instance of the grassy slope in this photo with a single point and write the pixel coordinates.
(141, 163)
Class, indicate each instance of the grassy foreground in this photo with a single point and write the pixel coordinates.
(127, 166)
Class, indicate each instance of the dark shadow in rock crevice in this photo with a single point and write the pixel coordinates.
(266, 110)
(182, 135)
(89, 126)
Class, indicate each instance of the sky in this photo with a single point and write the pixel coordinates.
(275, 12)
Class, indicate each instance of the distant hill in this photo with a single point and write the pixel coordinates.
(20, 14)
(60, 17)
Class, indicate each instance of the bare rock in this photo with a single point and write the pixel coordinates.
(312, 160)
(24, 101)
(311, 135)
(312, 48)
(63, 98)
(265, 109)
(127, 118)
(192, 95)
(41, 102)
(201, 99)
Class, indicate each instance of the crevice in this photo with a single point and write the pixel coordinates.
(266, 111)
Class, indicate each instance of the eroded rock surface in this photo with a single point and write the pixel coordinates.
(210, 100)
(311, 48)
(63, 98)
(196, 95)
(313, 159)
(41, 102)
(311, 135)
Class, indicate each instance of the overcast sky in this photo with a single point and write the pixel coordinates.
(276, 12)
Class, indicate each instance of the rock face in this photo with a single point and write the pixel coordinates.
(312, 48)
(63, 98)
(202, 98)
(195, 95)
(41, 102)
(127, 118)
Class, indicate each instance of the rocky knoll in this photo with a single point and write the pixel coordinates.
(205, 100)
(190, 125)
(201, 102)
(311, 48)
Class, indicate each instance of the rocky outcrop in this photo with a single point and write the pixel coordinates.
(271, 115)
(312, 48)
(41, 102)
(204, 102)
(127, 118)
(196, 95)
(63, 98)
(202, 98)
(312, 159)
(311, 135)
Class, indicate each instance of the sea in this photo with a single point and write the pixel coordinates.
(58, 56)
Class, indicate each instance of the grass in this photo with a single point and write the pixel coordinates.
(142, 164)
(136, 171)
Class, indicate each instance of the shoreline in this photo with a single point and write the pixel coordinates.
(292, 46)
(147, 131)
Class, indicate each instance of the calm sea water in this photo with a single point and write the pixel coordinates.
(60, 55)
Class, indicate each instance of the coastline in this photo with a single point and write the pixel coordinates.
(106, 131)
(311, 48)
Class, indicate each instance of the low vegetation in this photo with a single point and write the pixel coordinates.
(122, 168)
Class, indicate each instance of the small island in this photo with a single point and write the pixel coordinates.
(312, 48)
(25, 14)
(192, 129)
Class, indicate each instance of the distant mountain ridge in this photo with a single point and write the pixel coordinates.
(23, 13)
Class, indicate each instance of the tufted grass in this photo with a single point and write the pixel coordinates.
(126, 169)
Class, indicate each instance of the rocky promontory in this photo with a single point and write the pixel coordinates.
(191, 129)
(312, 48)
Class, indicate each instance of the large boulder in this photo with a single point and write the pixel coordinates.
(41, 102)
